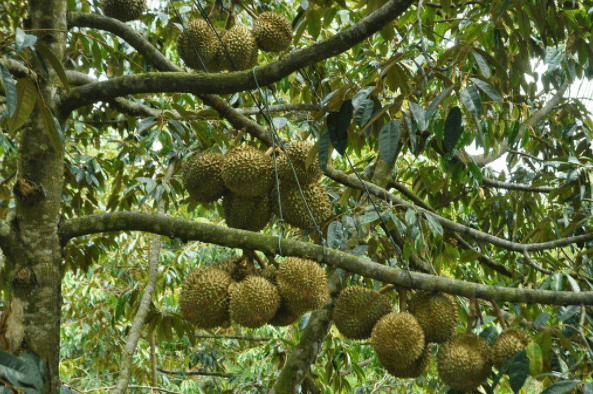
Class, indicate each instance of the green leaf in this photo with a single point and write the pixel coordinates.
(335, 235)
(388, 141)
(323, 149)
(541, 319)
(435, 227)
(562, 387)
(27, 97)
(19, 372)
(337, 124)
(588, 388)
(471, 100)
(24, 40)
(518, 367)
(419, 115)
(534, 352)
(52, 127)
(475, 171)
(515, 127)
(566, 312)
(10, 90)
(484, 68)
(452, 129)
(361, 96)
(314, 23)
(435, 103)
(489, 334)
(488, 89)
(364, 112)
(55, 63)
(304, 321)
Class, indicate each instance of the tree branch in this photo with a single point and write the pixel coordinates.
(210, 83)
(198, 373)
(489, 182)
(268, 244)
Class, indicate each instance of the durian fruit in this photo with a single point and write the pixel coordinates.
(294, 210)
(247, 213)
(123, 10)
(463, 362)
(269, 273)
(272, 32)
(302, 284)
(297, 152)
(414, 370)
(237, 267)
(398, 339)
(247, 171)
(254, 301)
(436, 313)
(241, 46)
(202, 177)
(199, 37)
(204, 300)
(509, 342)
(357, 311)
(285, 317)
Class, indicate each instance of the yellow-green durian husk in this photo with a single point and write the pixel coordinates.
(197, 43)
(247, 213)
(273, 32)
(294, 210)
(302, 284)
(297, 152)
(254, 301)
(398, 339)
(357, 310)
(509, 342)
(415, 369)
(241, 47)
(247, 171)
(123, 10)
(238, 267)
(436, 313)
(202, 177)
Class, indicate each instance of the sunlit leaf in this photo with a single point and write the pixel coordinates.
(27, 97)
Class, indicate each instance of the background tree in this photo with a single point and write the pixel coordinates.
(99, 117)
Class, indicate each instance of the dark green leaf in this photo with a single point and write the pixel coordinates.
(19, 372)
(484, 68)
(518, 367)
(562, 387)
(52, 127)
(488, 89)
(515, 127)
(566, 312)
(435, 227)
(314, 23)
(435, 103)
(335, 235)
(55, 63)
(541, 319)
(419, 115)
(452, 129)
(337, 124)
(588, 388)
(27, 97)
(364, 112)
(361, 96)
(475, 171)
(10, 90)
(323, 149)
(471, 100)
(304, 321)
(388, 141)
(489, 334)
(24, 40)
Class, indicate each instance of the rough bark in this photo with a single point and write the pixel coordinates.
(33, 249)
(268, 244)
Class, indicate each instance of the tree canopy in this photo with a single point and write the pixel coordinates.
(454, 143)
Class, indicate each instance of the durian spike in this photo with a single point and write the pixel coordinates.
(249, 11)
(499, 317)
(231, 17)
(238, 137)
(403, 299)
(386, 289)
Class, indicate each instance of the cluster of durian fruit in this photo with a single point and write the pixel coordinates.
(402, 339)
(123, 10)
(234, 290)
(244, 178)
(234, 49)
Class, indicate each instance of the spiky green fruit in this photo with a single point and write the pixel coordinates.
(241, 47)
(285, 317)
(199, 47)
(436, 313)
(247, 213)
(123, 10)
(357, 311)
(509, 342)
(302, 284)
(398, 339)
(273, 32)
(294, 210)
(247, 171)
(254, 301)
(204, 300)
(297, 152)
(463, 362)
(415, 369)
(202, 177)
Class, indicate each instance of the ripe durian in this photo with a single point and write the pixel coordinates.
(247, 213)
(414, 370)
(237, 267)
(241, 46)
(272, 32)
(199, 37)
(247, 171)
(202, 177)
(297, 152)
(254, 301)
(436, 313)
(398, 339)
(123, 10)
(302, 284)
(357, 311)
(463, 362)
(294, 210)
(204, 300)
(509, 342)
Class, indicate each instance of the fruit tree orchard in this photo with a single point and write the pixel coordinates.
(99, 117)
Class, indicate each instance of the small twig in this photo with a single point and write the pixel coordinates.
(7, 179)
(133, 387)
(386, 288)
(534, 265)
(421, 44)
(198, 373)
(501, 319)
(363, 363)
(254, 339)
(238, 137)
(260, 261)
(231, 17)
(272, 260)
(247, 9)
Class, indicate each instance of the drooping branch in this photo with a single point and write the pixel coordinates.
(209, 83)
(268, 244)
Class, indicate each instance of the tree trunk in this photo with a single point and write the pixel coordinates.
(34, 254)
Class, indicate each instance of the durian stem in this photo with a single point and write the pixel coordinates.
(386, 289)
(249, 11)
(215, 9)
(403, 299)
(260, 261)
(238, 137)
(501, 319)
(272, 260)
(473, 304)
(230, 20)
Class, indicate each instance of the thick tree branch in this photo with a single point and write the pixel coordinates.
(268, 244)
(209, 83)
